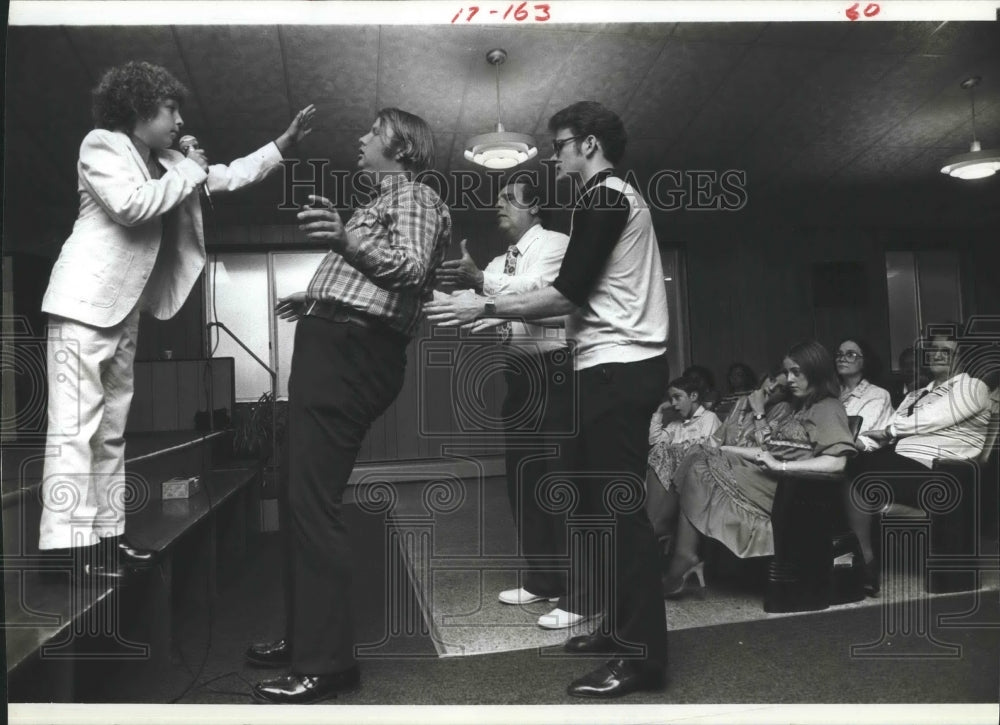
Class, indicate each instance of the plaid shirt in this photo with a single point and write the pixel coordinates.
(404, 234)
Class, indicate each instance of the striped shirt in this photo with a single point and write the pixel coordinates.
(946, 421)
(404, 233)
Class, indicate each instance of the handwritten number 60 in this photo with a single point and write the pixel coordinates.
(870, 11)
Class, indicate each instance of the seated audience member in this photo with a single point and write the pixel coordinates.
(710, 396)
(947, 418)
(741, 381)
(668, 445)
(856, 366)
(750, 424)
(910, 376)
(727, 493)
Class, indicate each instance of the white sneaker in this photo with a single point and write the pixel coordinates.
(559, 619)
(522, 596)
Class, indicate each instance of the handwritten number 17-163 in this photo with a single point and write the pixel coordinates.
(519, 13)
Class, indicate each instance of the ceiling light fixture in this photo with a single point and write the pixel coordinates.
(500, 149)
(977, 164)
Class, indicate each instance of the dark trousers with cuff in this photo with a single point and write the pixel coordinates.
(343, 377)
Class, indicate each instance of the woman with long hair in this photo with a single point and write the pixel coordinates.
(727, 493)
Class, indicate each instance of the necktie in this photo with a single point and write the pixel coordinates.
(506, 330)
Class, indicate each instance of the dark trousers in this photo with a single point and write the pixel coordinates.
(536, 413)
(607, 463)
(343, 377)
(904, 476)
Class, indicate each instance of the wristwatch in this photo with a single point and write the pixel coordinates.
(490, 308)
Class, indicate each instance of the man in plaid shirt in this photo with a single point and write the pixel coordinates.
(354, 322)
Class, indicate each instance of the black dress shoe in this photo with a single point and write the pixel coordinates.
(269, 654)
(619, 677)
(597, 642)
(302, 689)
(128, 555)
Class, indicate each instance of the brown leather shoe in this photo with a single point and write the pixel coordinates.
(269, 654)
(302, 689)
(619, 677)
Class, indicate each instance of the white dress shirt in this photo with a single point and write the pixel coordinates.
(540, 254)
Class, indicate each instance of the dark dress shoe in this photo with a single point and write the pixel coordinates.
(302, 689)
(128, 555)
(269, 654)
(597, 642)
(619, 677)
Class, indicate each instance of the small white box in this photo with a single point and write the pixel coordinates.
(181, 487)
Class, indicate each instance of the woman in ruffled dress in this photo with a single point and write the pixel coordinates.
(727, 493)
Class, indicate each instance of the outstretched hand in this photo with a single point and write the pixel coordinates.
(460, 273)
(452, 310)
(298, 129)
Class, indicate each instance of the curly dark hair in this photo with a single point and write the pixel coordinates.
(132, 92)
(590, 118)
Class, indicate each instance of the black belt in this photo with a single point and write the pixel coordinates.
(336, 312)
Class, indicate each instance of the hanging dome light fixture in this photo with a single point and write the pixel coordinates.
(977, 164)
(500, 149)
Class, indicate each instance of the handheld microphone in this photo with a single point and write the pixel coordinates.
(185, 143)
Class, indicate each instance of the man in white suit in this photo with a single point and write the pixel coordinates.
(137, 244)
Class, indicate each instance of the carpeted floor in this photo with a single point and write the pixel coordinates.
(794, 659)
(805, 659)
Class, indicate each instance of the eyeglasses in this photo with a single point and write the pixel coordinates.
(945, 351)
(850, 355)
(558, 143)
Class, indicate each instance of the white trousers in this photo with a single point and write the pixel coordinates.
(91, 379)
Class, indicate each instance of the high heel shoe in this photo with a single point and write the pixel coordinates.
(673, 587)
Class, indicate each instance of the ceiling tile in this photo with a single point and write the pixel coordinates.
(683, 78)
(336, 68)
(804, 35)
(43, 78)
(976, 39)
(105, 47)
(719, 32)
(248, 89)
(604, 69)
(875, 110)
(886, 37)
(763, 80)
(426, 70)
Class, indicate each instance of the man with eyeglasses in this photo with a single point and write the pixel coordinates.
(946, 419)
(611, 286)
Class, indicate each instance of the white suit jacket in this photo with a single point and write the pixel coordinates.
(111, 256)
